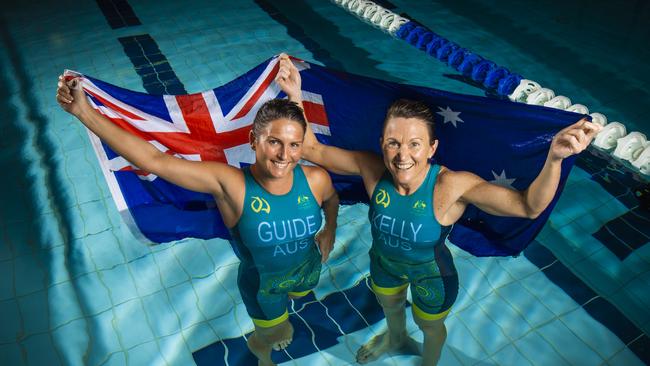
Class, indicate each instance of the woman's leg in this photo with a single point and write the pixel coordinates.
(434, 292)
(277, 334)
(432, 301)
(395, 339)
(435, 334)
(263, 340)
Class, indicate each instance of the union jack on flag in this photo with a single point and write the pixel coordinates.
(501, 141)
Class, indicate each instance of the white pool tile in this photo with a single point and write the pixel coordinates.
(184, 301)
(518, 267)
(116, 359)
(509, 355)
(6, 279)
(464, 344)
(142, 353)
(174, 350)
(593, 333)
(63, 304)
(473, 280)
(199, 335)
(46, 355)
(493, 271)
(104, 332)
(194, 259)
(625, 357)
(553, 298)
(541, 353)
(70, 338)
(568, 344)
(160, 314)
(129, 316)
(511, 322)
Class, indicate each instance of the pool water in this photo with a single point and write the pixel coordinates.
(77, 287)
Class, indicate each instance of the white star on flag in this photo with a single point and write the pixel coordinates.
(449, 115)
(502, 180)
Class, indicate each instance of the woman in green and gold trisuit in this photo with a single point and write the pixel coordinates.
(413, 204)
(272, 208)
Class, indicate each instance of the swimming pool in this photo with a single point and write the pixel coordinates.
(77, 288)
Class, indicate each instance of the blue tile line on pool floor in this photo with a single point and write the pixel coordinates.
(616, 234)
(627, 233)
(118, 13)
(150, 63)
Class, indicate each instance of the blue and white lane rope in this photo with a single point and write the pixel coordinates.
(497, 80)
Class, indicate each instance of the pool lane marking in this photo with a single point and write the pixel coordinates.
(158, 77)
(118, 13)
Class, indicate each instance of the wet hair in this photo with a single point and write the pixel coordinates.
(406, 108)
(275, 109)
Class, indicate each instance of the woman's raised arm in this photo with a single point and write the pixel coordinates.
(340, 161)
(207, 177)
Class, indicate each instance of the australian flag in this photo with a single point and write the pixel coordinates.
(504, 142)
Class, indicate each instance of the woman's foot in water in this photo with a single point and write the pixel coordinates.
(281, 336)
(382, 343)
(263, 340)
(260, 349)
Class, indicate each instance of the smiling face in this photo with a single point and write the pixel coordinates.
(407, 148)
(278, 147)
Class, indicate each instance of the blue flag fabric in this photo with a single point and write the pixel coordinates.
(502, 141)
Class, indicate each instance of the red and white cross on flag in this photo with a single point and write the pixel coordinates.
(198, 129)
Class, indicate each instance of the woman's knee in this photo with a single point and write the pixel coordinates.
(391, 303)
(432, 328)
